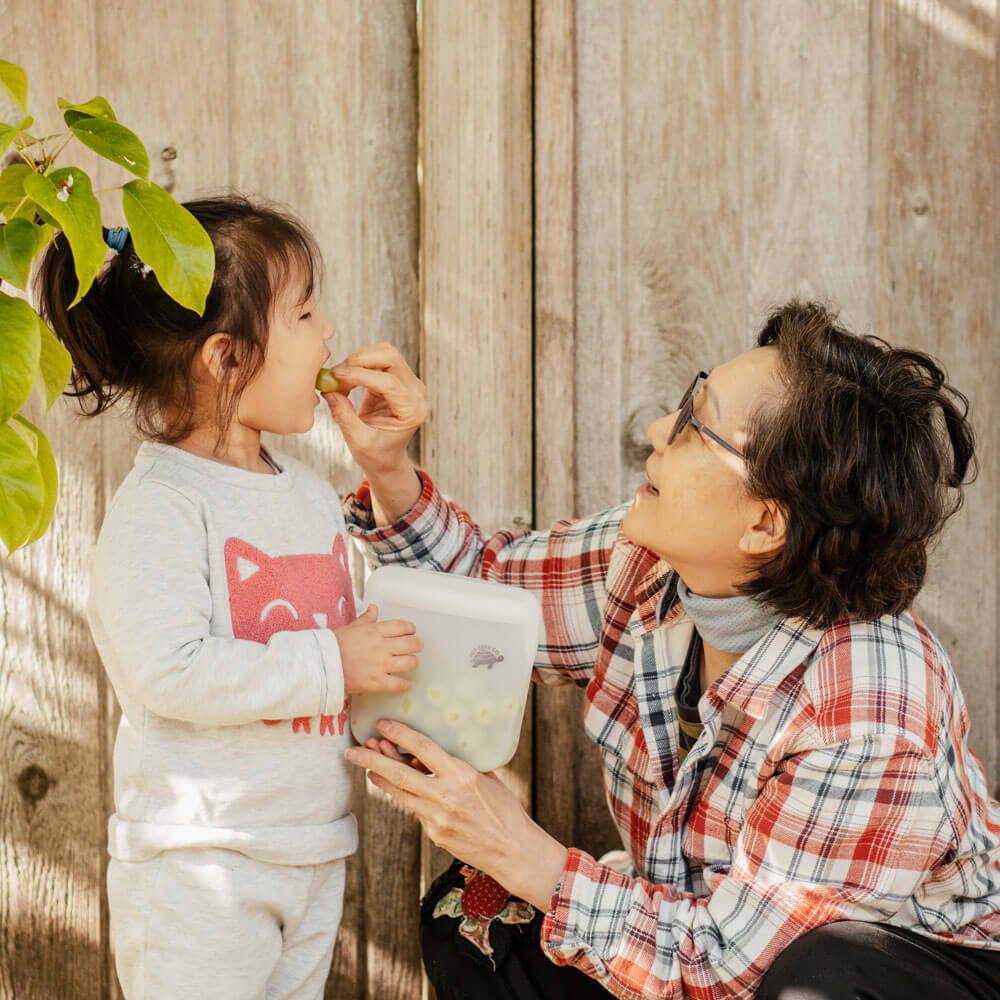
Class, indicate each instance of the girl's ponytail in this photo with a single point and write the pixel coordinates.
(130, 340)
(85, 330)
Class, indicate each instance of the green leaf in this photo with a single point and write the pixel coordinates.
(54, 365)
(171, 241)
(14, 81)
(42, 450)
(22, 489)
(114, 142)
(96, 107)
(19, 242)
(26, 139)
(12, 182)
(20, 349)
(9, 132)
(67, 196)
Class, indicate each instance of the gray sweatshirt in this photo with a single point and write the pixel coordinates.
(213, 595)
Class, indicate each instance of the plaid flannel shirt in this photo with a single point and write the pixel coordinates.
(832, 780)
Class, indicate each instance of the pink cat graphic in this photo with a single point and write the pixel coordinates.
(288, 594)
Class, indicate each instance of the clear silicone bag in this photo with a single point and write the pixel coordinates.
(470, 690)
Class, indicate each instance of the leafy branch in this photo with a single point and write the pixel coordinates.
(37, 200)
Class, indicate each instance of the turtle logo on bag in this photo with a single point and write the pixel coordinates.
(485, 656)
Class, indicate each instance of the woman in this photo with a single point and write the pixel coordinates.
(784, 742)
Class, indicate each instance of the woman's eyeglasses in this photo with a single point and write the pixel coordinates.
(686, 416)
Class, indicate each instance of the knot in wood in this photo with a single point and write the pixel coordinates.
(33, 784)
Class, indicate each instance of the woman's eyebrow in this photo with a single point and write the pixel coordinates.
(712, 396)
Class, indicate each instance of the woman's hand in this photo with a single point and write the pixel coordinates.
(393, 407)
(473, 816)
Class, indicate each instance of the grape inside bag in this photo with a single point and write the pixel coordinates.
(480, 640)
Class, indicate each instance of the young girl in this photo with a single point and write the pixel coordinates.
(222, 608)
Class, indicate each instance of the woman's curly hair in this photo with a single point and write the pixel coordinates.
(866, 452)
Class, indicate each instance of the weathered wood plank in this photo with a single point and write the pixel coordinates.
(388, 229)
(557, 710)
(475, 79)
(598, 194)
(339, 100)
(185, 128)
(682, 258)
(935, 166)
(52, 821)
(807, 205)
(596, 249)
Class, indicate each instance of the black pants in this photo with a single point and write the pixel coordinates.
(851, 960)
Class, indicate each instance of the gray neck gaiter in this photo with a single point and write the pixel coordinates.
(732, 624)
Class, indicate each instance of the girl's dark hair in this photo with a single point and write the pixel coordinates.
(129, 339)
(866, 451)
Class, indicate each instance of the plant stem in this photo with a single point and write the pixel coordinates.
(20, 205)
(51, 159)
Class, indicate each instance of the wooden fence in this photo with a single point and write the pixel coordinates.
(613, 194)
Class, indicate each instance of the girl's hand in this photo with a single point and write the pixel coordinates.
(393, 407)
(374, 653)
(473, 816)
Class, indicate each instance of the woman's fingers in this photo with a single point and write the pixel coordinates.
(385, 384)
(384, 357)
(424, 749)
(396, 772)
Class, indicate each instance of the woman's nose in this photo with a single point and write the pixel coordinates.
(659, 431)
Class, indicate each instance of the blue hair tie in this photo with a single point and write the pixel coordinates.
(116, 238)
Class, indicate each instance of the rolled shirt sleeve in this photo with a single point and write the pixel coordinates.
(840, 832)
(566, 567)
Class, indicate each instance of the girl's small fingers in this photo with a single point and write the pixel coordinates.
(403, 644)
(404, 664)
(395, 685)
(391, 628)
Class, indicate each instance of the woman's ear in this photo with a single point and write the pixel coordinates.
(216, 355)
(765, 536)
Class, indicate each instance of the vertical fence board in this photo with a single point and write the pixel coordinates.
(388, 229)
(52, 822)
(597, 339)
(336, 102)
(558, 711)
(807, 109)
(935, 161)
(682, 264)
(598, 244)
(185, 128)
(476, 358)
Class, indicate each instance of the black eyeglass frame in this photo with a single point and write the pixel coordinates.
(686, 416)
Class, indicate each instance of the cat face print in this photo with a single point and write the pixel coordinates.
(269, 594)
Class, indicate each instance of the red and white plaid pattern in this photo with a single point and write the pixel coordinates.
(832, 781)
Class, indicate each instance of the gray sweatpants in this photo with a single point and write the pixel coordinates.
(208, 924)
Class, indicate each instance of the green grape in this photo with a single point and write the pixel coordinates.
(326, 381)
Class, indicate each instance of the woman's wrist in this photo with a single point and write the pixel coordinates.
(536, 869)
(394, 491)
